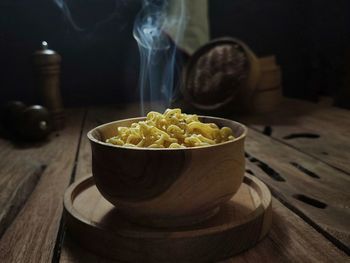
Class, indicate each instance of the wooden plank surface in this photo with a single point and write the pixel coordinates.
(19, 175)
(32, 235)
(290, 240)
(319, 130)
(316, 190)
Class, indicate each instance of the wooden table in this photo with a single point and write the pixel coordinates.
(302, 152)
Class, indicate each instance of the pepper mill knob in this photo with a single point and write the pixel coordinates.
(47, 64)
(44, 45)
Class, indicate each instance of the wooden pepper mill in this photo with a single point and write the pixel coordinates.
(46, 64)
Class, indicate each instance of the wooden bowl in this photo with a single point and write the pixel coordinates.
(167, 187)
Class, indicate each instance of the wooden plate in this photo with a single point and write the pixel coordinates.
(96, 224)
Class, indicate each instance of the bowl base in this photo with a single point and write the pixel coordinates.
(170, 222)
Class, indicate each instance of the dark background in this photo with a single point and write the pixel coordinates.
(100, 58)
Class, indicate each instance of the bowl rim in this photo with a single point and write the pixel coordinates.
(93, 139)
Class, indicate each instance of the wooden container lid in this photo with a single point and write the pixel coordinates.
(97, 225)
(45, 57)
(221, 74)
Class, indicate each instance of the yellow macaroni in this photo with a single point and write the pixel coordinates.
(172, 129)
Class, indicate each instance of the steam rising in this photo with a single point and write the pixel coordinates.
(152, 29)
(62, 5)
(157, 29)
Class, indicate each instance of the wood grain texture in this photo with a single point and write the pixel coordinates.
(31, 236)
(319, 130)
(240, 223)
(95, 117)
(18, 177)
(317, 191)
(291, 239)
(134, 178)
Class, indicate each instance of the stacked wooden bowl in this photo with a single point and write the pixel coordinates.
(221, 77)
(268, 92)
(225, 76)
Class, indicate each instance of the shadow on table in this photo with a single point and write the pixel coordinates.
(18, 143)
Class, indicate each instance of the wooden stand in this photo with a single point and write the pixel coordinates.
(97, 225)
(267, 96)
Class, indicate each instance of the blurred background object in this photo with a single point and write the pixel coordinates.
(268, 93)
(196, 31)
(343, 96)
(101, 60)
(221, 76)
(19, 122)
(46, 65)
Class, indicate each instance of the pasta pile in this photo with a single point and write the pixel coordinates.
(172, 129)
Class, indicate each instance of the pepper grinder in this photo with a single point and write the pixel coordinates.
(46, 63)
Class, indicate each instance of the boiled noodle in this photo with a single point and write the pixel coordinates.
(172, 129)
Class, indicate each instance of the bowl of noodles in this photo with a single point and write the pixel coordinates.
(170, 169)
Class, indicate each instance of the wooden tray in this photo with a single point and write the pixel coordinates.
(267, 100)
(96, 224)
